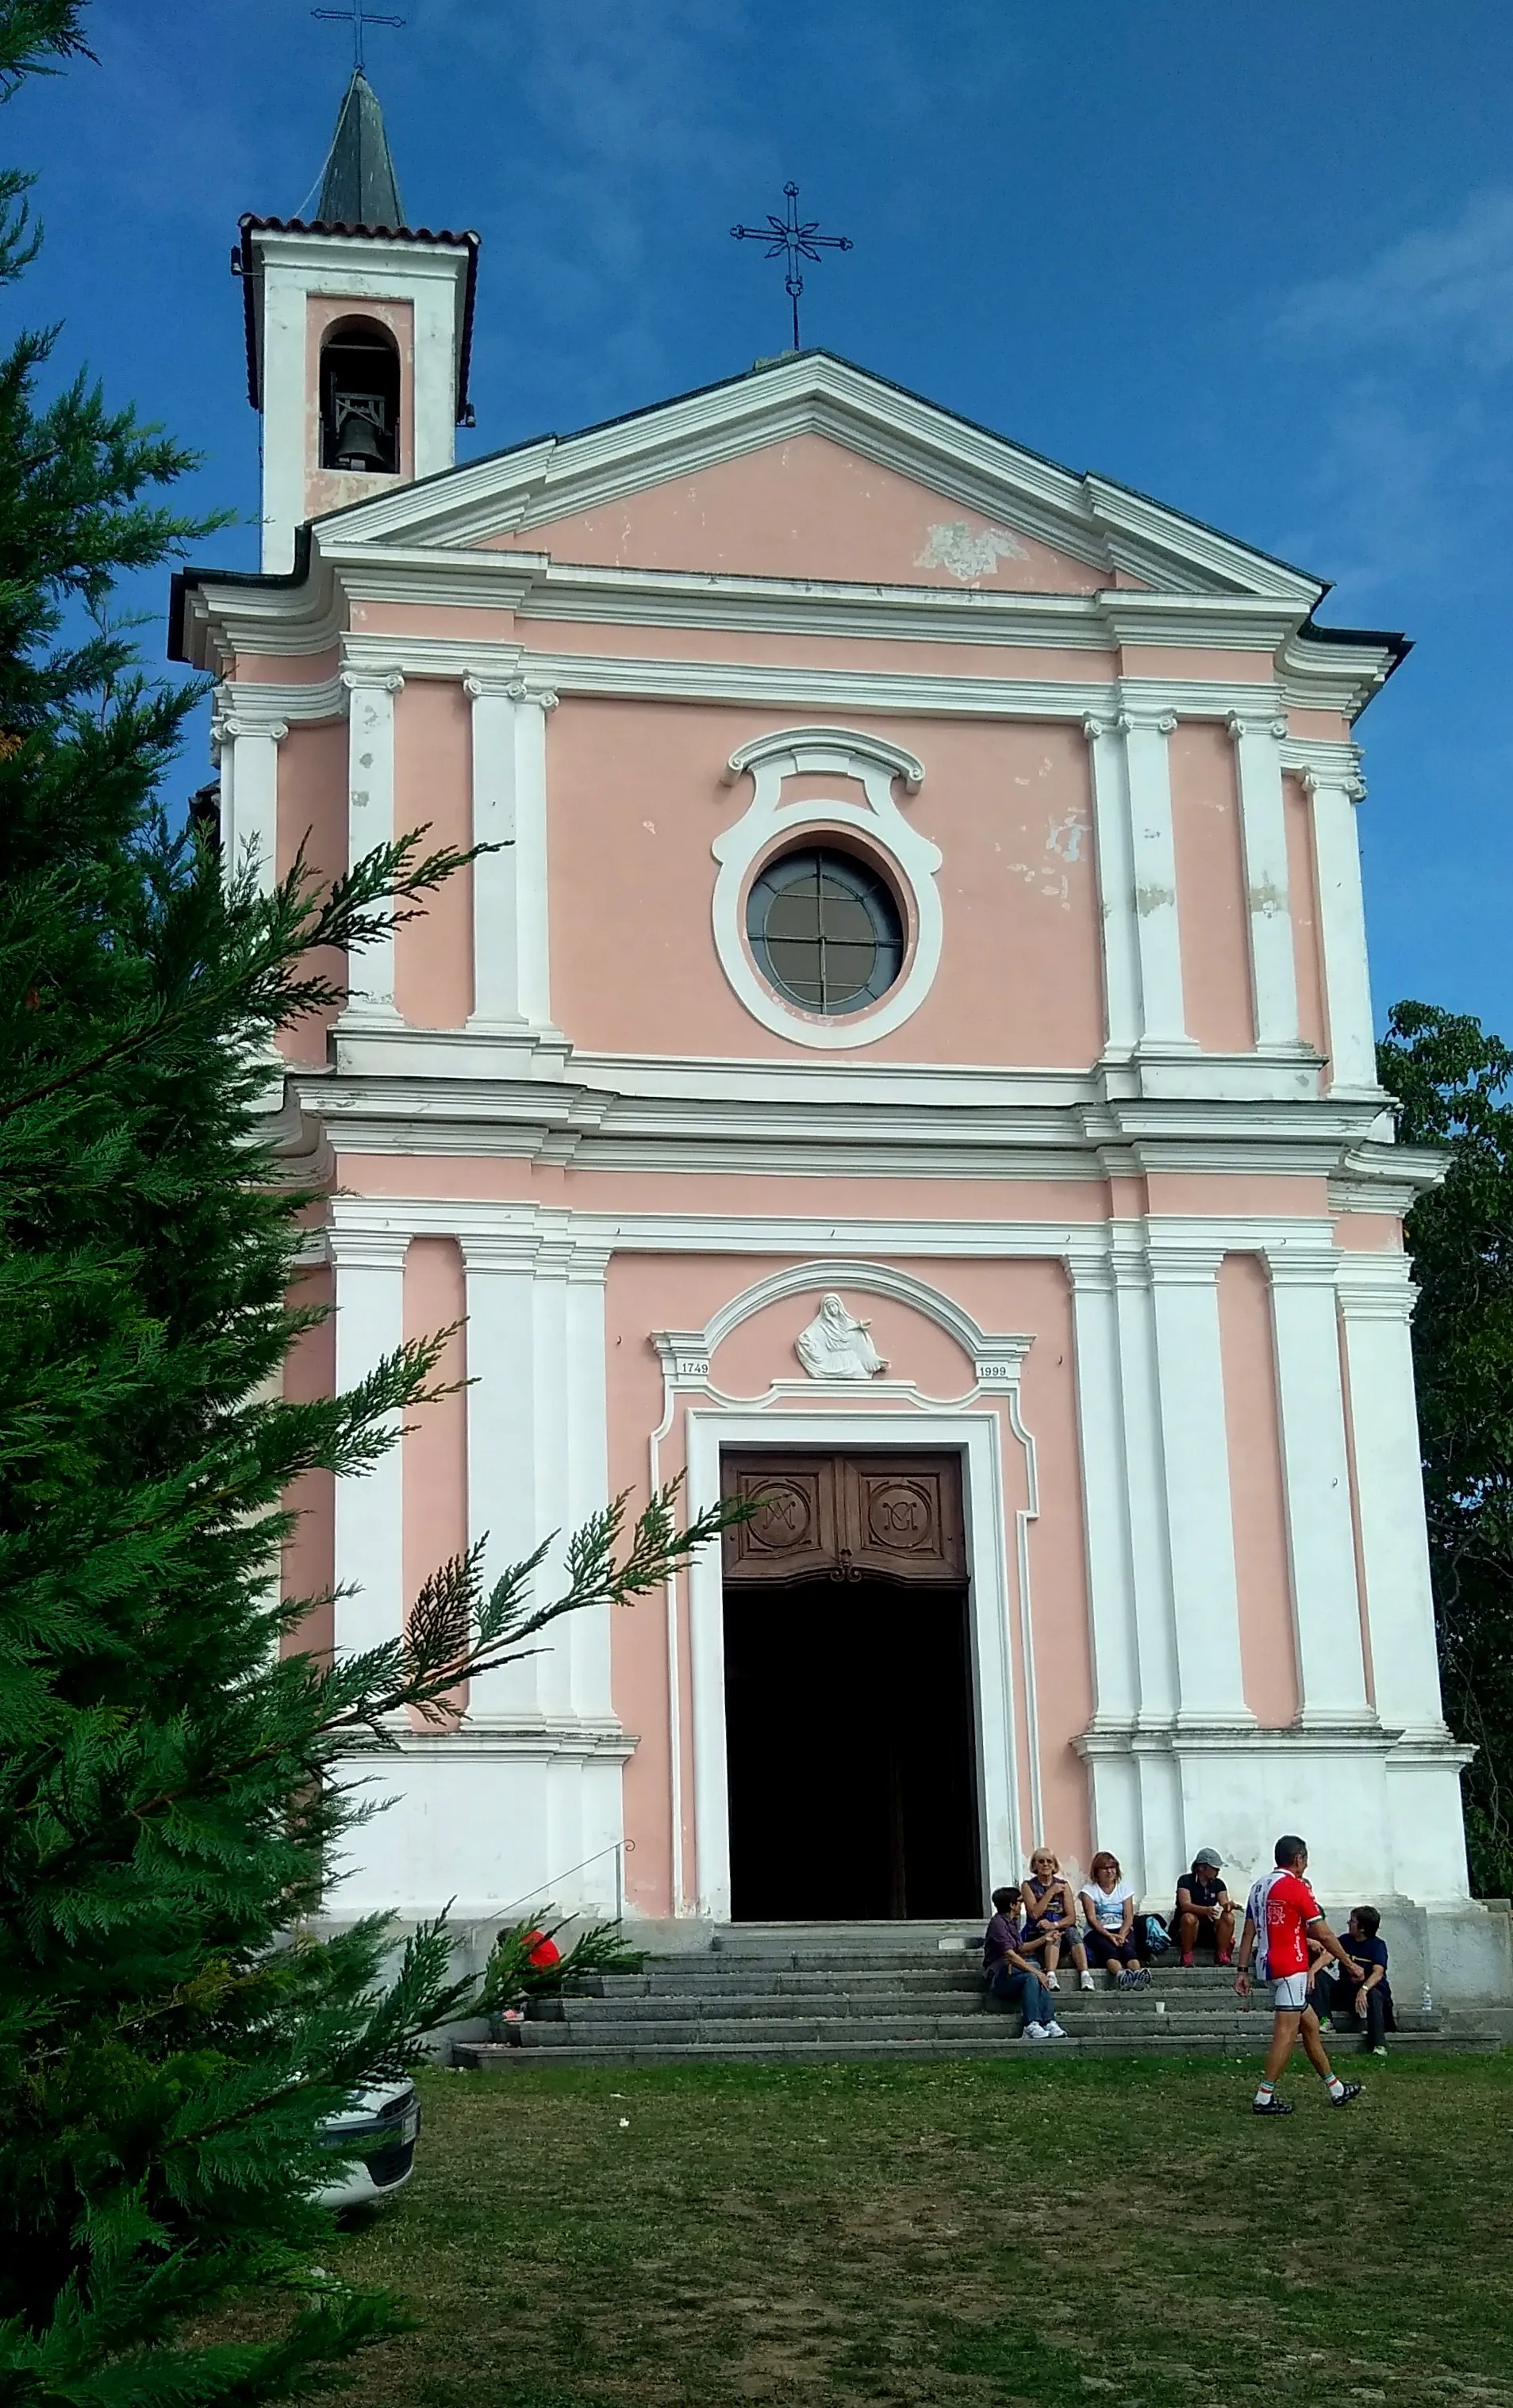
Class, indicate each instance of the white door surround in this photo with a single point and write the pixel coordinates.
(974, 1436)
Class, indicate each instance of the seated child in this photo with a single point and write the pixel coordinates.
(1335, 1995)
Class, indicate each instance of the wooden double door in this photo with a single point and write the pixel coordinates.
(850, 1729)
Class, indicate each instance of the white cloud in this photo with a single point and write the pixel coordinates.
(1442, 287)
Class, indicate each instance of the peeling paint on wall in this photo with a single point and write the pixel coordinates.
(1153, 898)
(951, 544)
(1065, 839)
(1267, 901)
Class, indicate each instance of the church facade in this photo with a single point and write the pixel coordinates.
(908, 1063)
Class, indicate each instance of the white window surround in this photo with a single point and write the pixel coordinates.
(872, 763)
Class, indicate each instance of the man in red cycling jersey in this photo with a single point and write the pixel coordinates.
(1282, 1911)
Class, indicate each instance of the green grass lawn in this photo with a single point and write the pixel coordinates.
(953, 2233)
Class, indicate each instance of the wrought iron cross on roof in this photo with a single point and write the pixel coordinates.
(792, 240)
(357, 17)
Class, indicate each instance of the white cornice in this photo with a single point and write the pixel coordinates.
(1088, 517)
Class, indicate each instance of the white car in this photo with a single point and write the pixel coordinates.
(389, 2115)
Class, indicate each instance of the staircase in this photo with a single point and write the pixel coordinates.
(795, 1995)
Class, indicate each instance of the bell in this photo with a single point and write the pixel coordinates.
(359, 444)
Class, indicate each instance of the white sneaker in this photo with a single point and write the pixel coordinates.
(1054, 2031)
(1053, 1981)
(1086, 1982)
(1035, 2031)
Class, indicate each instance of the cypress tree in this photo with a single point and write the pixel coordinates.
(173, 1779)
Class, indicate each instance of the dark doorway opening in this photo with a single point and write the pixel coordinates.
(852, 1752)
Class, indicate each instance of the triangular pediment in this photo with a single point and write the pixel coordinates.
(813, 469)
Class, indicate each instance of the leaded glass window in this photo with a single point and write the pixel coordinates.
(825, 930)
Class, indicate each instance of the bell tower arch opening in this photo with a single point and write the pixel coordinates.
(359, 399)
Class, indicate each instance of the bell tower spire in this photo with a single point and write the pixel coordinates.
(358, 335)
(360, 187)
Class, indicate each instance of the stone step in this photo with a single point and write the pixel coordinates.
(991, 2039)
(717, 2031)
(702, 1978)
(1115, 2007)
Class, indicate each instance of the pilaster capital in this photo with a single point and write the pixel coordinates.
(372, 681)
(231, 720)
(1095, 728)
(522, 690)
(507, 1254)
(369, 1249)
(1375, 1287)
(491, 685)
(1136, 718)
(1309, 1264)
(1348, 782)
(1184, 1261)
(1260, 721)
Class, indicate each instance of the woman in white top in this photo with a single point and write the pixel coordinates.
(1109, 1904)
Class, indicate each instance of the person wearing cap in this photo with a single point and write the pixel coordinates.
(1204, 1904)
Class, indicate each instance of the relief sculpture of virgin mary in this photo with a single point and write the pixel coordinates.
(836, 1346)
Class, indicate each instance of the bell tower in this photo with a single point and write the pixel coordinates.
(358, 330)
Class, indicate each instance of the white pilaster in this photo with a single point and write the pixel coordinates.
(538, 1449)
(1145, 1475)
(1352, 1047)
(1205, 1608)
(370, 1508)
(510, 950)
(247, 744)
(1377, 1297)
(588, 1634)
(1116, 885)
(502, 1436)
(1153, 867)
(370, 824)
(1105, 1495)
(1263, 828)
(1331, 1682)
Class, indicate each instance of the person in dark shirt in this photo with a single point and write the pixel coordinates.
(1011, 1976)
(1203, 1906)
(1336, 1994)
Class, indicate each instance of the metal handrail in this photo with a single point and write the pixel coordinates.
(619, 1851)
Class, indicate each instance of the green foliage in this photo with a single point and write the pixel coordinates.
(511, 1979)
(172, 1785)
(1453, 1085)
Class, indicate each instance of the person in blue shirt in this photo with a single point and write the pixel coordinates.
(1335, 1994)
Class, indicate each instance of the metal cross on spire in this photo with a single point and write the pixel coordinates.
(793, 240)
(357, 17)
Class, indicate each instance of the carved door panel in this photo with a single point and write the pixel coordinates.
(847, 1517)
(902, 1516)
(794, 1530)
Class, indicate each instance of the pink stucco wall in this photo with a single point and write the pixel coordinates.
(434, 1443)
(1212, 919)
(313, 813)
(636, 801)
(1302, 895)
(808, 508)
(1268, 1652)
(432, 956)
(308, 1568)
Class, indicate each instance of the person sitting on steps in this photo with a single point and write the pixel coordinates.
(1333, 1994)
(1013, 1976)
(1205, 1906)
(1109, 1904)
(1050, 1919)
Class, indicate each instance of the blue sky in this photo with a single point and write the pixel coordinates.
(1256, 260)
